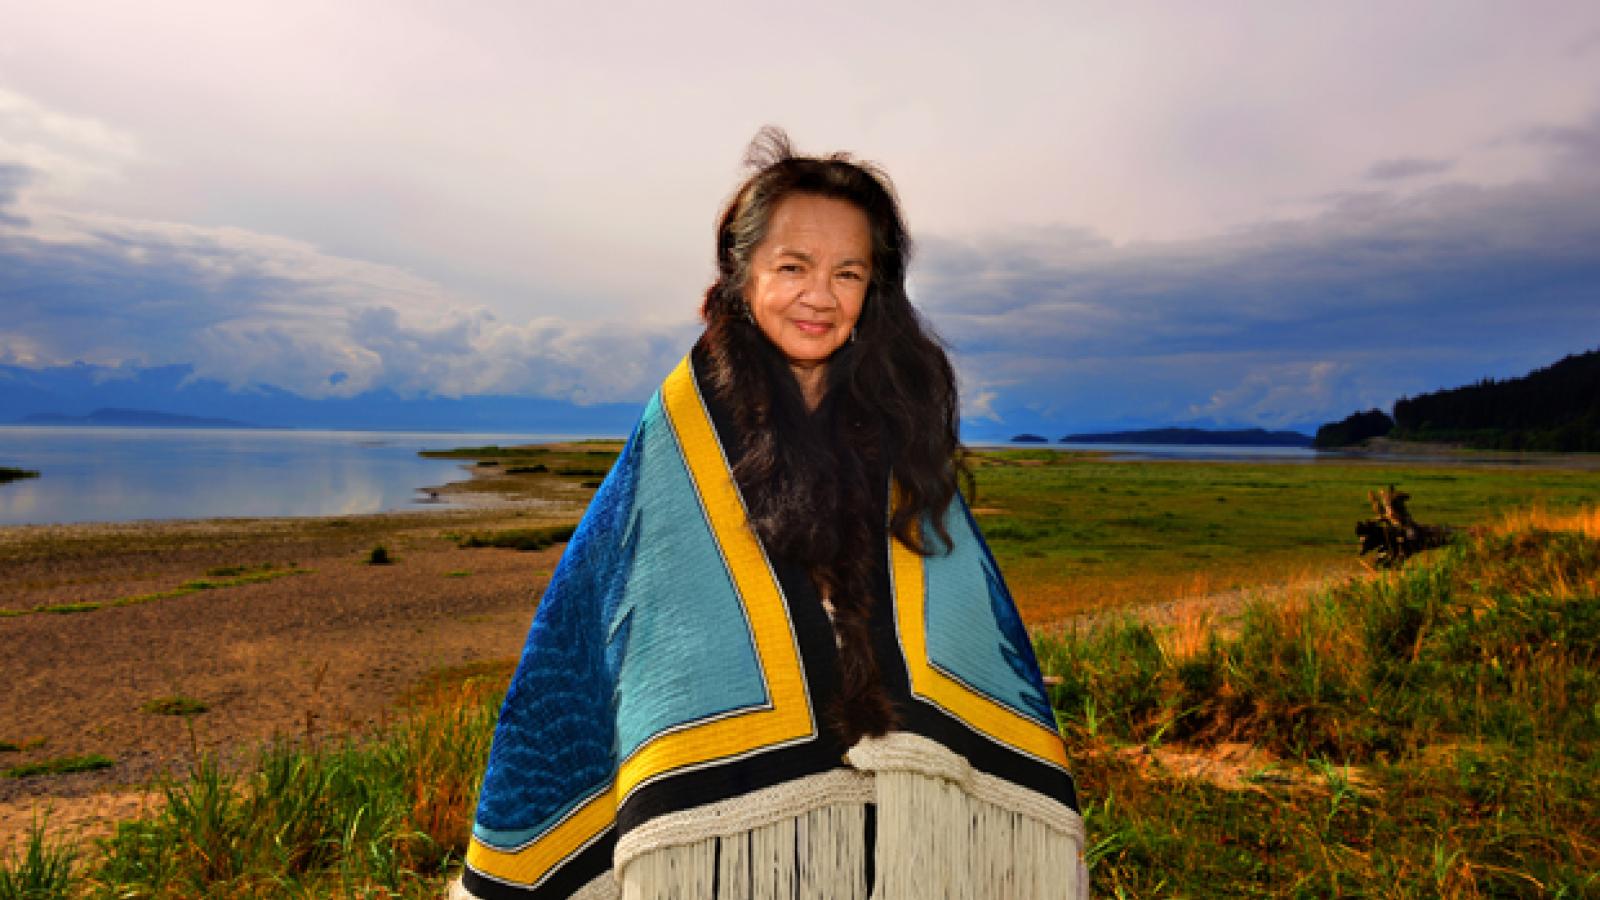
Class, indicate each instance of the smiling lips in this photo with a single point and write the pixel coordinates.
(814, 329)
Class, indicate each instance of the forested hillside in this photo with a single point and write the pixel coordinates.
(1554, 408)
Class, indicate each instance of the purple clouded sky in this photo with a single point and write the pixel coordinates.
(1128, 214)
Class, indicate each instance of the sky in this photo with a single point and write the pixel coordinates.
(1230, 214)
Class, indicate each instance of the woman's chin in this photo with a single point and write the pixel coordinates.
(809, 350)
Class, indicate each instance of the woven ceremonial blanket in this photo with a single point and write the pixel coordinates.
(662, 735)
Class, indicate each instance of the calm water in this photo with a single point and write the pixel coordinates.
(123, 474)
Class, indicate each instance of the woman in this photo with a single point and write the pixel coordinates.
(777, 659)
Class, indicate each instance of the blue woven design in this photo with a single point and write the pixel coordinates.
(554, 745)
(693, 658)
(966, 597)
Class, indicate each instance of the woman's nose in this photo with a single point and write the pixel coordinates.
(818, 290)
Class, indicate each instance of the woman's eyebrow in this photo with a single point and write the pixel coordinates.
(805, 257)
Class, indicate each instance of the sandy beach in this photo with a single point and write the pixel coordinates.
(297, 636)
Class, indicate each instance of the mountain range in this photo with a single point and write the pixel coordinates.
(89, 394)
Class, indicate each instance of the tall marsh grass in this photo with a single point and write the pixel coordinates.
(385, 817)
(1446, 715)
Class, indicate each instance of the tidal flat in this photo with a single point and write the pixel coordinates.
(283, 630)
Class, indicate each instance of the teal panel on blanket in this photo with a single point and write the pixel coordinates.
(966, 601)
(693, 658)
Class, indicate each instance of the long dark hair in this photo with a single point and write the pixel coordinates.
(816, 482)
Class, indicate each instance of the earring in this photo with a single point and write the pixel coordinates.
(748, 315)
(852, 334)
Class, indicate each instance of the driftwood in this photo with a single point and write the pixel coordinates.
(1394, 536)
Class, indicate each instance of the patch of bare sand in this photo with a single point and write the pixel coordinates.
(328, 650)
(1194, 616)
(1233, 766)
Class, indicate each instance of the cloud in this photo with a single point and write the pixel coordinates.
(1407, 167)
(13, 178)
(1289, 322)
(248, 308)
(1266, 215)
(1282, 323)
(60, 152)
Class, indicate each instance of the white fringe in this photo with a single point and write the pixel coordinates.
(817, 855)
(744, 813)
(944, 830)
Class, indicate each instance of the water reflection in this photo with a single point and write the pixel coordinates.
(123, 474)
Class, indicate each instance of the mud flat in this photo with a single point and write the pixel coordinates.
(144, 644)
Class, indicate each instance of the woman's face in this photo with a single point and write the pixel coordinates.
(808, 277)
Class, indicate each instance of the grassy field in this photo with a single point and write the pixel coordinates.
(1078, 533)
(1431, 732)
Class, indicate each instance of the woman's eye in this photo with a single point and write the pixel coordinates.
(850, 274)
(789, 268)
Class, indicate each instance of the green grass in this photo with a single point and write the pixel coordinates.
(61, 765)
(1079, 532)
(384, 817)
(9, 474)
(43, 869)
(487, 451)
(526, 539)
(250, 575)
(571, 460)
(236, 571)
(65, 608)
(176, 705)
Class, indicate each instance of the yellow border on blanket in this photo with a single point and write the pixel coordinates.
(978, 711)
(789, 716)
(533, 862)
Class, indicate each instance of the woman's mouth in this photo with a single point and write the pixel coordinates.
(813, 328)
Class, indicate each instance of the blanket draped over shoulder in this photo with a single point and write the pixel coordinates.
(663, 737)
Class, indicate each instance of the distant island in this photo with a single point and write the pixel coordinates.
(1241, 437)
(140, 418)
(1556, 408)
(1029, 439)
(9, 474)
